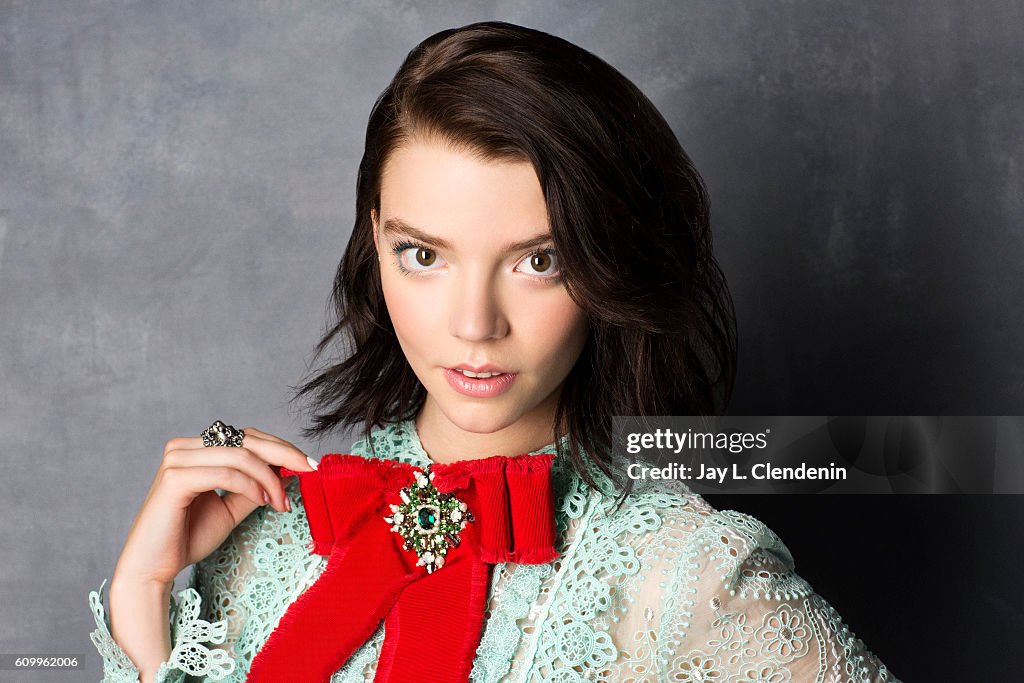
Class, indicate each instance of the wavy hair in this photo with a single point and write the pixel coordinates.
(629, 219)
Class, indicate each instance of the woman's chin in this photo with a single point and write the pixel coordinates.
(479, 417)
(481, 422)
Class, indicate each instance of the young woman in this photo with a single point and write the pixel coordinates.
(531, 256)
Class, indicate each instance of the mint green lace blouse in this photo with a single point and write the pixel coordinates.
(664, 588)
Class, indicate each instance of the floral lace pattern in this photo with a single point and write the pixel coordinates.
(188, 633)
(663, 588)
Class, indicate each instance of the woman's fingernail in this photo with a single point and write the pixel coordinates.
(266, 498)
(312, 463)
(287, 504)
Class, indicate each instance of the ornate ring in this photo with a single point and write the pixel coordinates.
(220, 434)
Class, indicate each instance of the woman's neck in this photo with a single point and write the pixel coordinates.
(444, 441)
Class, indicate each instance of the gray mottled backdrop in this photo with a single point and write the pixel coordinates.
(177, 186)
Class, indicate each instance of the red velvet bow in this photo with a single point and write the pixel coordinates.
(431, 594)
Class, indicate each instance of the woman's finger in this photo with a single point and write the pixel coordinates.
(231, 509)
(243, 459)
(199, 479)
(278, 451)
(273, 450)
(265, 435)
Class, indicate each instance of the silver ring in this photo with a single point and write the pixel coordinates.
(220, 434)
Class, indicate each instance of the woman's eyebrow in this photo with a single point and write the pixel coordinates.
(398, 225)
(395, 224)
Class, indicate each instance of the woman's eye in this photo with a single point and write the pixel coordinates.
(425, 257)
(541, 263)
(416, 257)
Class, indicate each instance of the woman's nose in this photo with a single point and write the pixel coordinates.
(476, 310)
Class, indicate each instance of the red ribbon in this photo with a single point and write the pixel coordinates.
(433, 621)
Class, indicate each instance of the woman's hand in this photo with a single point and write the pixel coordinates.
(183, 519)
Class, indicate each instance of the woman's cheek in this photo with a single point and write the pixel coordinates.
(557, 328)
(406, 305)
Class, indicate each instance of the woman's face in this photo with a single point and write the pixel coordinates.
(472, 283)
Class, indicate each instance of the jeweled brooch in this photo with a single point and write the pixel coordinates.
(428, 520)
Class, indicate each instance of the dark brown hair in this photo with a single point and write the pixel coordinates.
(629, 220)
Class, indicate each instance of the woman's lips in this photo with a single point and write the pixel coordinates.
(479, 387)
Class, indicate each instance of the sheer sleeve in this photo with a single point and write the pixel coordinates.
(736, 612)
(191, 641)
(233, 600)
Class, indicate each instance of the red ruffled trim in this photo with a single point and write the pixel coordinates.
(344, 492)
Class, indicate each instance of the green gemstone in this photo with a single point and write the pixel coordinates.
(427, 518)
